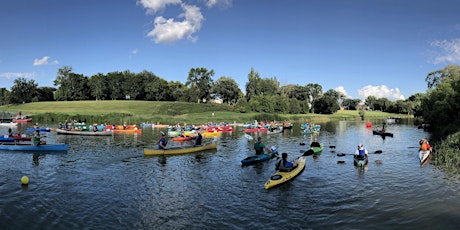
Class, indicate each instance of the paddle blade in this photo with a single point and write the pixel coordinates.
(378, 151)
(308, 152)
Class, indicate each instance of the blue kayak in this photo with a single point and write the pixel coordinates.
(7, 139)
(31, 129)
(31, 147)
(259, 158)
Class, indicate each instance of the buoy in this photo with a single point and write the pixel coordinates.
(25, 180)
(368, 124)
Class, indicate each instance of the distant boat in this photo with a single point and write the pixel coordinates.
(84, 133)
(24, 119)
(31, 147)
(8, 123)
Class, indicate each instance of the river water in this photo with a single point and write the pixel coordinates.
(107, 183)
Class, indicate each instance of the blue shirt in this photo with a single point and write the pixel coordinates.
(163, 141)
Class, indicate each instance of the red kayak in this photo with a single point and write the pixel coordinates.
(22, 120)
(253, 130)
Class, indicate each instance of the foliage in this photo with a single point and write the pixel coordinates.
(4, 96)
(441, 106)
(350, 104)
(227, 89)
(328, 103)
(447, 152)
(200, 81)
(23, 91)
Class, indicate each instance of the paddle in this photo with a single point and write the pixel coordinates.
(344, 154)
(249, 137)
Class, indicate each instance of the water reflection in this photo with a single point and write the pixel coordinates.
(109, 184)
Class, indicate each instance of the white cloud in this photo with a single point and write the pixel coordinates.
(381, 91)
(448, 51)
(342, 90)
(211, 3)
(44, 61)
(170, 31)
(154, 6)
(12, 75)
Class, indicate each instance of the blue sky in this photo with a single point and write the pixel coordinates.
(383, 48)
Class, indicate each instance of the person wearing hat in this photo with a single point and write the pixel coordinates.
(162, 142)
(361, 151)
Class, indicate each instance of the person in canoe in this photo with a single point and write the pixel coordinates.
(284, 165)
(424, 145)
(37, 138)
(162, 142)
(315, 143)
(259, 146)
(95, 129)
(10, 132)
(198, 139)
(361, 151)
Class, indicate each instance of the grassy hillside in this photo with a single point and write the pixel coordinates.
(161, 112)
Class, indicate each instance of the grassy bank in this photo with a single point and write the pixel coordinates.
(163, 112)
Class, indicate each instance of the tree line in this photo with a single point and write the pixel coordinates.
(262, 94)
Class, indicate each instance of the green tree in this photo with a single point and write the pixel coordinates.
(382, 104)
(4, 96)
(24, 91)
(370, 102)
(350, 104)
(46, 93)
(134, 85)
(177, 91)
(436, 77)
(115, 81)
(200, 81)
(98, 85)
(253, 85)
(227, 89)
(441, 107)
(157, 90)
(71, 86)
(328, 103)
(314, 91)
(416, 104)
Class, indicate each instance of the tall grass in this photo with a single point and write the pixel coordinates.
(447, 152)
(161, 112)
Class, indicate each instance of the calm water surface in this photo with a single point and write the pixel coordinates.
(107, 183)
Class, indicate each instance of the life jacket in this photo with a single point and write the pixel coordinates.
(424, 147)
(281, 166)
(362, 153)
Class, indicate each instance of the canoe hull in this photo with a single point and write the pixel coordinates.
(279, 178)
(360, 161)
(30, 147)
(84, 133)
(385, 134)
(251, 160)
(22, 120)
(177, 151)
(424, 155)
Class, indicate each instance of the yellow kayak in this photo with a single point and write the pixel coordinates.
(280, 177)
(207, 134)
(179, 150)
